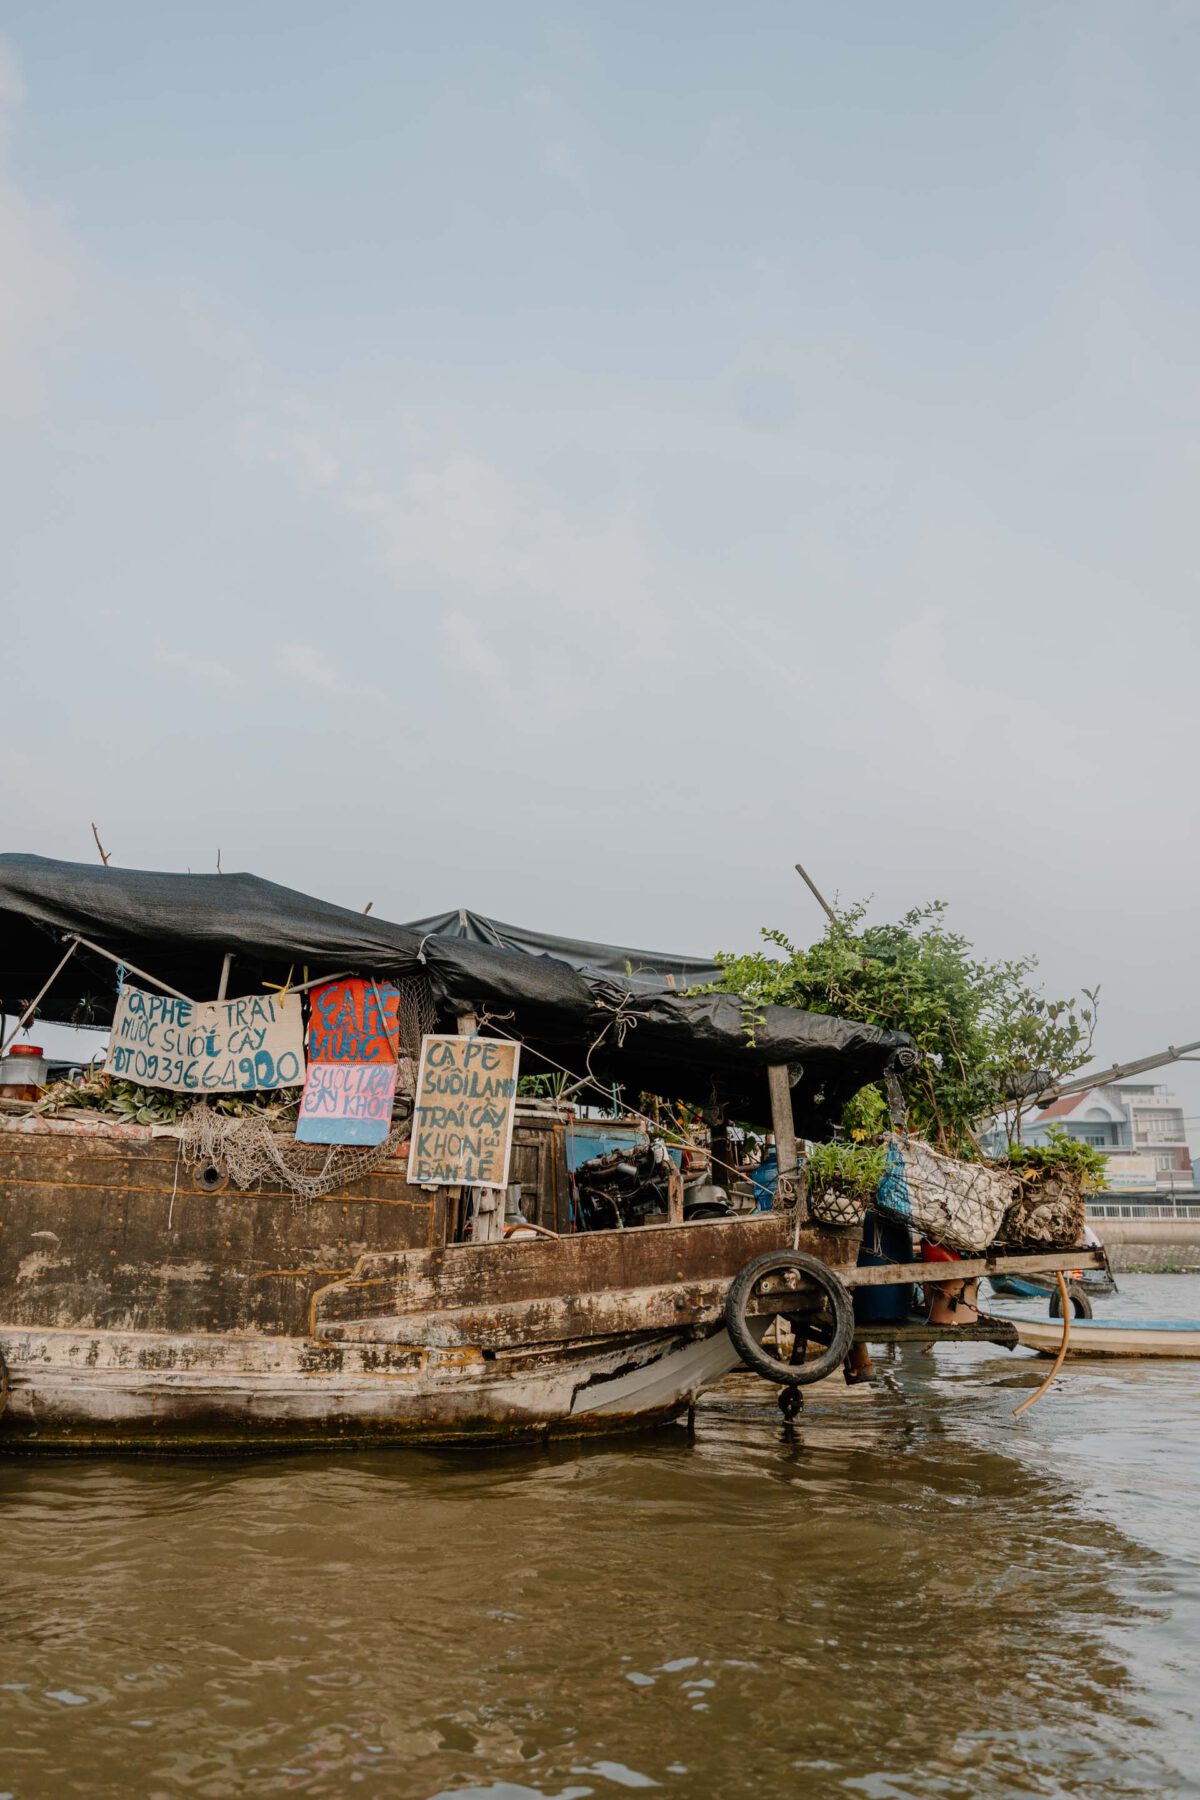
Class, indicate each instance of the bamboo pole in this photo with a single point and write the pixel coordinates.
(31, 1009)
(134, 970)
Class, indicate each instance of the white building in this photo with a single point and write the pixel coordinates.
(1139, 1127)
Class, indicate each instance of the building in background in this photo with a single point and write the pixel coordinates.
(1139, 1127)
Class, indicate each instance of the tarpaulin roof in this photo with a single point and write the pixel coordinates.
(660, 968)
(659, 1039)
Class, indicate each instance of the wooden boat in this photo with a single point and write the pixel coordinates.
(1113, 1337)
(1097, 1284)
(143, 1312)
(148, 1302)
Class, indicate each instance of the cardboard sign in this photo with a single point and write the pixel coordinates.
(353, 1036)
(207, 1046)
(463, 1120)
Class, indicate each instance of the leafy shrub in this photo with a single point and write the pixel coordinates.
(1061, 1156)
(988, 1038)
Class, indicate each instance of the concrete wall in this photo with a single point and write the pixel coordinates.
(1151, 1244)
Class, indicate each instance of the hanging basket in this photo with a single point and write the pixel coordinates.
(959, 1205)
(832, 1207)
(1047, 1214)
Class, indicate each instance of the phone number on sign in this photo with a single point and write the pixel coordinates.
(235, 1074)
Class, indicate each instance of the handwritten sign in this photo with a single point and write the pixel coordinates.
(353, 1034)
(207, 1046)
(463, 1121)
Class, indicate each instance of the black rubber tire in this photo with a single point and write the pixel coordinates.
(747, 1345)
(1081, 1306)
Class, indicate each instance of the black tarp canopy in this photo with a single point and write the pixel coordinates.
(660, 968)
(555, 994)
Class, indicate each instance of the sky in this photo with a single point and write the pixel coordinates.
(574, 462)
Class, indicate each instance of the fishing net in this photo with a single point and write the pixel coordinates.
(248, 1151)
(957, 1204)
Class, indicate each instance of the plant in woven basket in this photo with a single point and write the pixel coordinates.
(1055, 1178)
(843, 1178)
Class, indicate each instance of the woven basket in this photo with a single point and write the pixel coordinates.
(833, 1208)
(1046, 1215)
(959, 1205)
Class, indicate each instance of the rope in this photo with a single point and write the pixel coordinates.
(601, 1087)
(1062, 1348)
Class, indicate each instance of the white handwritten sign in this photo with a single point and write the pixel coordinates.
(209, 1046)
(463, 1120)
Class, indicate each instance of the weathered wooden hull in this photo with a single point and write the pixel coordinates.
(139, 1314)
(76, 1391)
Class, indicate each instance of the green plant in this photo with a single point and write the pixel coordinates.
(133, 1105)
(846, 1168)
(865, 1115)
(1062, 1156)
(549, 1086)
(989, 1040)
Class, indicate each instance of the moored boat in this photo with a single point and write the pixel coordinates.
(235, 1271)
(1097, 1284)
(1113, 1337)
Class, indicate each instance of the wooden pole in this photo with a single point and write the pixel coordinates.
(722, 1167)
(784, 1127)
(132, 969)
(456, 1197)
(674, 1193)
(31, 1009)
(816, 893)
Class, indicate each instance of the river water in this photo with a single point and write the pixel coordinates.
(918, 1596)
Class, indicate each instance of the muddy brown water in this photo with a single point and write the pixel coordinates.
(917, 1596)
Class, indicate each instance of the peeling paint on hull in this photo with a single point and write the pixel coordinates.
(147, 1392)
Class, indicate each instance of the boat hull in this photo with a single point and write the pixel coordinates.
(1096, 1283)
(1111, 1339)
(154, 1392)
(141, 1312)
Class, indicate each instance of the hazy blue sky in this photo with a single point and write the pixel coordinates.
(572, 461)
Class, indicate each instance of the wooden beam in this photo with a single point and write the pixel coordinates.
(1030, 1262)
(783, 1125)
(918, 1331)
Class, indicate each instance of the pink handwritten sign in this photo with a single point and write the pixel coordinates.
(353, 1034)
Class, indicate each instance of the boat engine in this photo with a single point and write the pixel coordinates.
(625, 1188)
